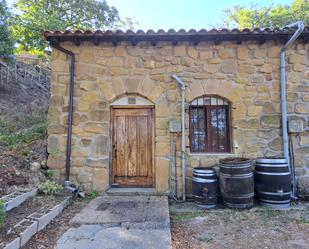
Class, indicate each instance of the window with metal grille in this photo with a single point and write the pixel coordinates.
(210, 125)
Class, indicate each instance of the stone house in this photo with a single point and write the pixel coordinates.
(126, 119)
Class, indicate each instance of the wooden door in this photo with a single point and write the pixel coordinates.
(132, 147)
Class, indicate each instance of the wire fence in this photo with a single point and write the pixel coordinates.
(24, 76)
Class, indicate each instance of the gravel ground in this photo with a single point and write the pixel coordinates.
(247, 229)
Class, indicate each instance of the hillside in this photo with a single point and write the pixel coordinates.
(24, 99)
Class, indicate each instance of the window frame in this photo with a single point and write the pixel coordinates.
(208, 129)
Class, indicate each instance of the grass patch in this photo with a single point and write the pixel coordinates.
(92, 195)
(2, 214)
(234, 215)
(16, 121)
(277, 227)
(304, 218)
(267, 214)
(25, 152)
(185, 216)
(206, 239)
(11, 137)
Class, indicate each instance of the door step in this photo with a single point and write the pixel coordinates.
(131, 191)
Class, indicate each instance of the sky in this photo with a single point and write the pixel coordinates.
(177, 14)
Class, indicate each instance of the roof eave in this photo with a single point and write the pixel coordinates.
(173, 36)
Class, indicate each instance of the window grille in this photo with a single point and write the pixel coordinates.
(210, 124)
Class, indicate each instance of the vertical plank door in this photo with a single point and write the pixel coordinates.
(132, 147)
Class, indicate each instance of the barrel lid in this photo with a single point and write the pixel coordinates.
(203, 180)
(231, 160)
(271, 160)
(204, 170)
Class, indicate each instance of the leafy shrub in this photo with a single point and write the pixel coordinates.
(50, 188)
(21, 128)
(11, 140)
(48, 173)
(2, 214)
(91, 195)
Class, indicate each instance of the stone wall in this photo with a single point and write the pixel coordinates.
(246, 74)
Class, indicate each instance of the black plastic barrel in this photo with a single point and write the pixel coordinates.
(273, 182)
(205, 187)
(237, 182)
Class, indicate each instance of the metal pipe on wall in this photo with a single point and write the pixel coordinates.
(70, 111)
(183, 133)
(300, 27)
(175, 165)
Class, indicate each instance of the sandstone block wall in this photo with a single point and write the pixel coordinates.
(246, 74)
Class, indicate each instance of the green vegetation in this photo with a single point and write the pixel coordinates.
(92, 195)
(2, 214)
(185, 216)
(22, 129)
(234, 215)
(206, 239)
(24, 119)
(25, 152)
(33, 17)
(11, 139)
(48, 173)
(267, 213)
(262, 17)
(50, 188)
(304, 218)
(6, 40)
(25, 23)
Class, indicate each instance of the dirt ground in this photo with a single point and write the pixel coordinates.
(37, 203)
(246, 229)
(258, 228)
(23, 107)
(15, 170)
(21, 93)
(47, 238)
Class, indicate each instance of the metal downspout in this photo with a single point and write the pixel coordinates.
(300, 25)
(70, 111)
(183, 133)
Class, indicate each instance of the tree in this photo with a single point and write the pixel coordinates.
(126, 23)
(33, 17)
(6, 41)
(261, 17)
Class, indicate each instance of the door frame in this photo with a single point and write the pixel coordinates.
(111, 134)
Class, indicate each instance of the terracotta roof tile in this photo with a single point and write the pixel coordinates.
(172, 35)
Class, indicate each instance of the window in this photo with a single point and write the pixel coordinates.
(209, 125)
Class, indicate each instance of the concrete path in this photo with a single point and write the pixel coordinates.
(116, 222)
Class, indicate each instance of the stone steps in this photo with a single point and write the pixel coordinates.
(130, 191)
(121, 222)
